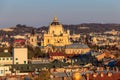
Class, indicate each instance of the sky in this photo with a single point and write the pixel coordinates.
(39, 13)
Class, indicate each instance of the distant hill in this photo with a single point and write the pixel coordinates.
(92, 27)
(88, 27)
(18, 29)
(79, 28)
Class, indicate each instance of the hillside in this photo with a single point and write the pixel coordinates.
(79, 28)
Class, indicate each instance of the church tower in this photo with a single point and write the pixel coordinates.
(33, 38)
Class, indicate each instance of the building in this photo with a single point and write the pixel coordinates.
(57, 55)
(113, 32)
(76, 49)
(19, 37)
(5, 70)
(56, 35)
(5, 58)
(19, 42)
(104, 76)
(33, 39)
(105, 55)
(95, 41)
(75, 37)
(20, 56)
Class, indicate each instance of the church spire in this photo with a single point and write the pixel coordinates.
(33, 32)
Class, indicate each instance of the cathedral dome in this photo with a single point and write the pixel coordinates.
(55, 21)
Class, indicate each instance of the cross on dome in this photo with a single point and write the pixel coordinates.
(55, 19)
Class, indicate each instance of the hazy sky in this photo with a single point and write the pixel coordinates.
(41, 12)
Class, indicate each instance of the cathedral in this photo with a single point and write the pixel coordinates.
(59, 38)
(56, 35)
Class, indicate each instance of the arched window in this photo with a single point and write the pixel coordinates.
(31, 40)
(53, 32)
(48, 40)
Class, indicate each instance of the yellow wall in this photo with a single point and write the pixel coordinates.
(77, 51)
(56, 36)
(33, 40)
(6, 60)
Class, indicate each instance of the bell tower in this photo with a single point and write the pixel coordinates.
(33, 38)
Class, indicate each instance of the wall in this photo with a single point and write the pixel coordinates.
(20, 56)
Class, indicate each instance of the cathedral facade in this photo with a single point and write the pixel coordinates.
(56, 35)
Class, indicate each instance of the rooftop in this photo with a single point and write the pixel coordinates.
(4, 54)
(76, 46)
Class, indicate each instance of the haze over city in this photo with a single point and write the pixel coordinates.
(39, 13)
(59, 40)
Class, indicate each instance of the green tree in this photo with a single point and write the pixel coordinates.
(30, 52)
(37, 52)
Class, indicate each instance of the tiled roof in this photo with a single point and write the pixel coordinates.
(57, 54)
(115, 76)
(60, 74)
(19, 40)
(3, 54)
(118, 63)
(76, 46)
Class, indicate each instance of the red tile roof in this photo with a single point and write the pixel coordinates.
(19, 40)
(57, 54)
(115, 76)
(118, 63)
(60, 54)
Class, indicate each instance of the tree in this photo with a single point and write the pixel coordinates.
(39, 53)
(30, 52)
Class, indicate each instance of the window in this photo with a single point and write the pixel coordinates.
(0, 58)
(16, 62)
(32, 40)
(1, 71)
(3, 58)
(48, 40)
(53, 32)
(24, 62)
(7, 58)
(10, 58)
(16, 58)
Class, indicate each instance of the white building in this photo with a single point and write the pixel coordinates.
(19, 37)
(5, 58)
(20, 56)
(5, 70)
